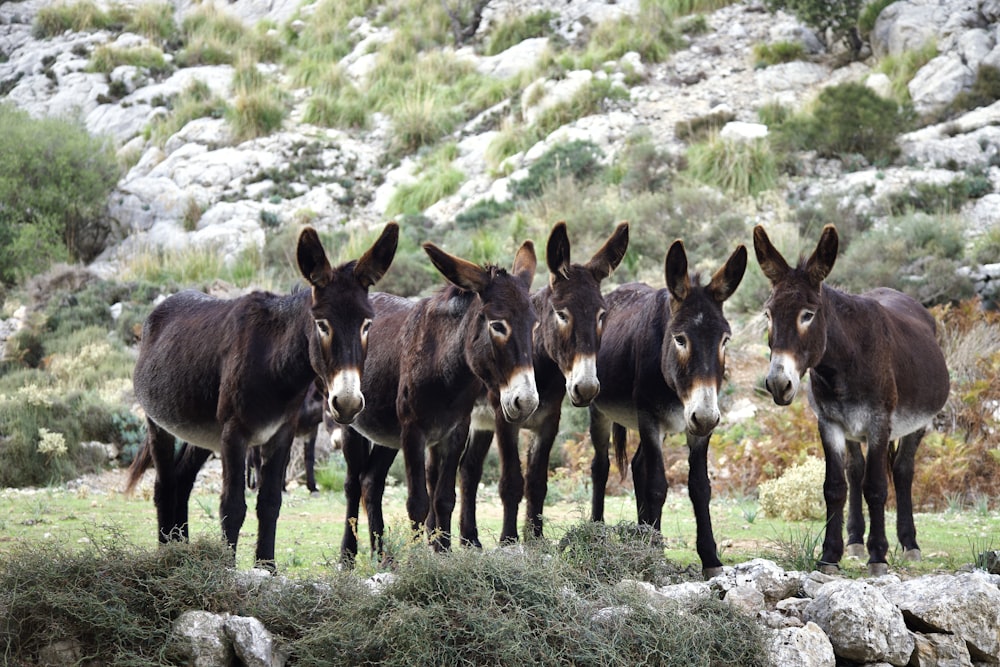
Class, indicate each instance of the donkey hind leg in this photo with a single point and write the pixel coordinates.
(536, 475)
(356, 448)
(372, 489)
(902, 480)
(835, 495)
(876, 489)
(470, 474)
(700, 492)
(600, 434)
(189, 462)
(652, 474)
(309, 458)
(161, 444)
(855, 466)
(274, 459)
(511, 486)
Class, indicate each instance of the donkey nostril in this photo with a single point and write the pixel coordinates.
(336, 404)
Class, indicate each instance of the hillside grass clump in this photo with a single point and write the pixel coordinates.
(55, 180)
(775, 53)
(195, 101)
(901, 69)
(741, 168)
(515, 29)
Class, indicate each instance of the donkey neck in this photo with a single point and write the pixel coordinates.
(289, 360)
(840, 313)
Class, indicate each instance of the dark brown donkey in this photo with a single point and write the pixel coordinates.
(306, 427)
(427, 363)
(571, 314)
(877, 374)
(228, 375)
(661, 365)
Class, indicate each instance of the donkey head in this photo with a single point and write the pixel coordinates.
(796, 322)
(342, 315)
(693, 358)
(498, 346)
(573, 320)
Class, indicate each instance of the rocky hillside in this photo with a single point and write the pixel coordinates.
(202, 186)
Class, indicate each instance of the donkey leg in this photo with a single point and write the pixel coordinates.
(902, 480)
(876, 489)
(511, 485)
(233, 503)
(274, 460)
(432, 468)
(417, 500)
(536, 475)
(470, 474)
(652, 471)
(855, 464)
(700, 492)
(309, 457)
(188, 466)
(372, 490)
(355, 447)
(161, 444)
(638, 467)
(443, 498)
(600, 434)
(835, 495)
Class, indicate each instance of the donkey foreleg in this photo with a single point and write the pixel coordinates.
(274, 459)
(470, 474)
(700, 492)
(651, 489)
(600, 434)
(372, 491)
(417, 499)
(511, 486)
(355, 447)
(189, 463)
(835, 495)
(160, 444)
(536, 475)
(902, 480)
(855, 466)
(876, 489)
(445, 457)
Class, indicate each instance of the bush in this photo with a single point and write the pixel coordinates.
(742, 168)
(985, 91)
(514, 31)
(55, 180)
(777, 53)
(838, 16)
(579, 160)
(796, 495)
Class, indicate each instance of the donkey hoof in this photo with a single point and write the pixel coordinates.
(912, 555)
(829, 568)
(856, 550)
(878, 569)
(710, 572)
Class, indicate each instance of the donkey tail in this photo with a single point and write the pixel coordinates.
(618, 441)
(140, 464)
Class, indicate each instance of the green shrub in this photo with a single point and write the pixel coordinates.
(838, 16)
(641, 166)
(434, 186)
(55, 180)
(482, 211)
(107, 58)
(776, 53)
(701, 128)
(517, 29)
(901, 69)
(578, 159)
(257, 112)
(650, 33)
(797, 494)
(940, 198)
(870, 13)
(985, 91)
(742, 168)
(53, 20)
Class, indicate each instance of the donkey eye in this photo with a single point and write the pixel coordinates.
(806, 316)
(498, 328)
(562, 316)
(601, 316)
(323, 327)
(681, 341)
(365, 327)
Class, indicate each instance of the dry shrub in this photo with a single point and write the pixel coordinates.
(797, 494)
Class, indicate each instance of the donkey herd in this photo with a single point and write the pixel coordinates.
(442, 377)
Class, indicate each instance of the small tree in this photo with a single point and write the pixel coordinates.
(55, 180)
(838, 16)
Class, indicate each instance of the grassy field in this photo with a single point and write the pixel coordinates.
(310, 528)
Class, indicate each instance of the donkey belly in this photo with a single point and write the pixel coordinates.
(670, 418)
(855, 420)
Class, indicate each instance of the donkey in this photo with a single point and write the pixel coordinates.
(228, 375)
(428, 362)
(571, 311)
(661, 365)
(877, 374)
(306, 427)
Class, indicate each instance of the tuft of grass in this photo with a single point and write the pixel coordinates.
(516, 29)
(193, 266)
(800, 547)
(106, 58)
(742, 168)
(902, 68)
(776, 53)
(870, 13)
(196, 101)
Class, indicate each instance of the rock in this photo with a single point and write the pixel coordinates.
(861, 622)
(940, 650)
(807, 646)
(518, 58)
(200, 636)
(741, 132)
(252, 643)
(938, 83)
(746, 599)
(966, 605)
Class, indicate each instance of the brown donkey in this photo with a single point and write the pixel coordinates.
(661, 365)
(877, 374)
(571, 313)
(228, 375)
(428, 362)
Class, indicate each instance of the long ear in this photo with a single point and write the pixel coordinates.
(771, 262)
(460, 272)
(607, 259)
(375, 262)
(727, 279)
(313, 264)
(821, 263)
(557, 252)
(675, 268)
(525, 263)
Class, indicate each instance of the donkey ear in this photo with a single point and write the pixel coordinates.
(771, 262)
(375, 262)
(525, 263)
(727, 279)
(557, 252)
(676, 271)
(607, 259)
(313, 264)
(460, 272)
(821, 263)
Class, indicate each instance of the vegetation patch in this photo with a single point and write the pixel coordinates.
(742, 168)
(775, 53)
(516, 29)
(797, 494)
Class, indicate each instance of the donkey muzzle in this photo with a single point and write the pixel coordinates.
(582, 385)
(346, 400)
(520, 397)
(782, 380)
(701, 410)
